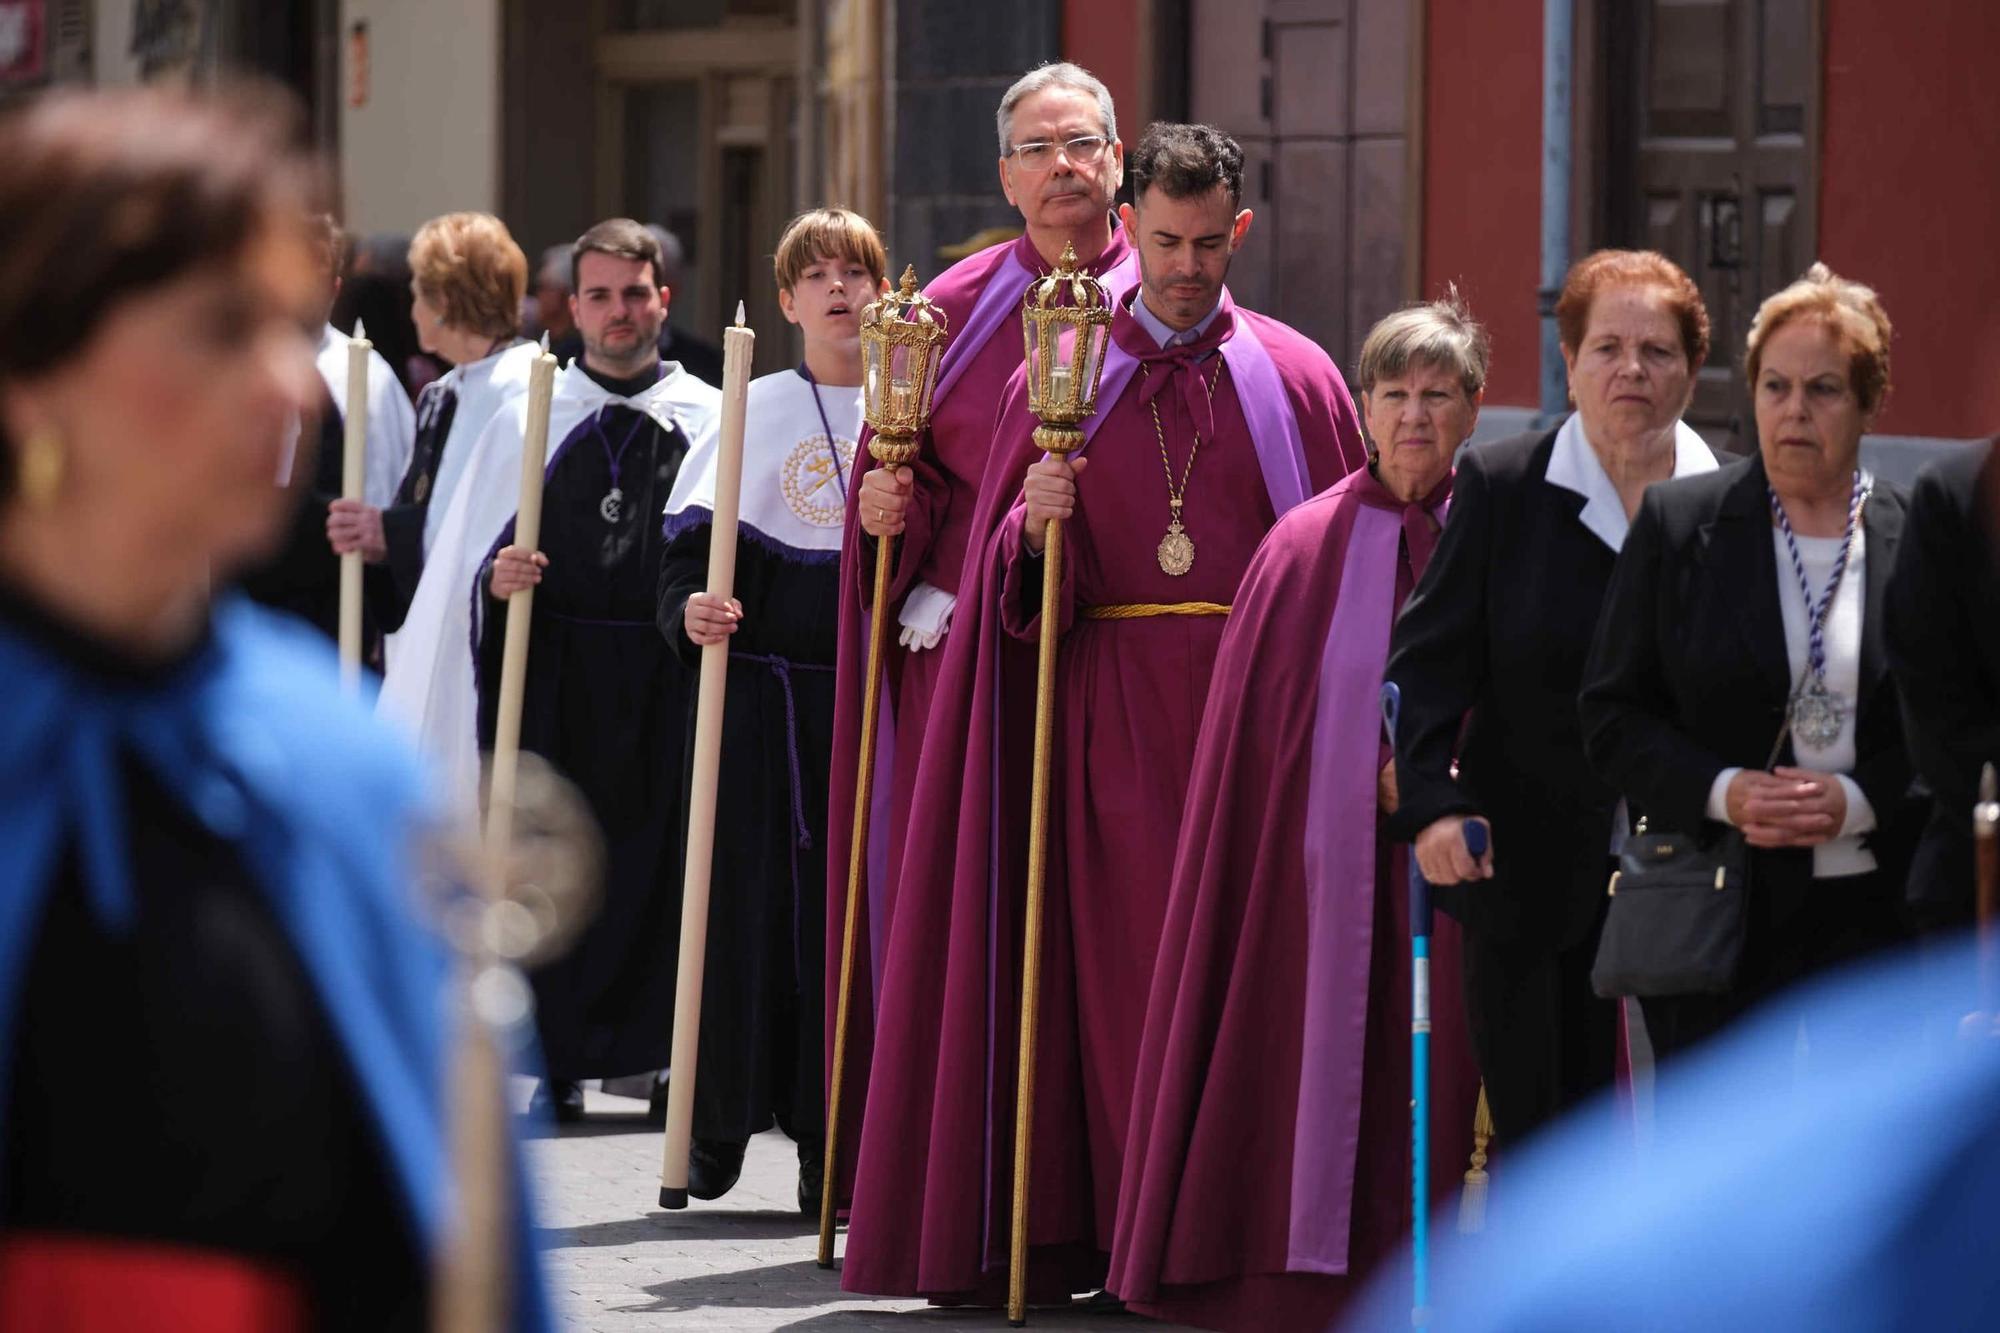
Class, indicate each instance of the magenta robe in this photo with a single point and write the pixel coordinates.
(981, 299)
(1269, 1160)
(931, 1208)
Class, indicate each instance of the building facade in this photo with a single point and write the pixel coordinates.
(1394, 145)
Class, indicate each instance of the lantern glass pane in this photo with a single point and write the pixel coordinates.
(1037, 354)
(871, 376)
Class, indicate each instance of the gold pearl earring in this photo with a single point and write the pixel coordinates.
(43, 462)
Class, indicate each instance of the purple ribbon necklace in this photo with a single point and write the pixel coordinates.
(1818, 710)
(612, 506)
(832, 441)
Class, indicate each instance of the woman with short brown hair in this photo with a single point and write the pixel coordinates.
(1492, 647)
(467, 280)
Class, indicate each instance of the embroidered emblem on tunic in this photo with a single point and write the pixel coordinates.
(813, 487)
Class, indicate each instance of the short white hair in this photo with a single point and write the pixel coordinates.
(1055, 74)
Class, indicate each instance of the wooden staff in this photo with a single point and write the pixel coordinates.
(1060, 444)
(353, 453)
(737, 345)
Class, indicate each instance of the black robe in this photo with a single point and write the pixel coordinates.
(606, 704)
(763, 989)
(391, 584)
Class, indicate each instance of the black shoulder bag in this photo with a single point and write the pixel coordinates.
(1677, 915)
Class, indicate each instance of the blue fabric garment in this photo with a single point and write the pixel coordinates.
(1828, 1166)
(254, 736)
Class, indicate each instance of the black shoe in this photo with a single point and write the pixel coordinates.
(1099, 1303)
(559, 1098)
(656, 1104)
(713, 1167)
(812, 1178)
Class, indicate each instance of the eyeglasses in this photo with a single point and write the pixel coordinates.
(1040, 154)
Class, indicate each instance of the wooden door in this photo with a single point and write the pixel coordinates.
(1318, 94)
(1712, 159)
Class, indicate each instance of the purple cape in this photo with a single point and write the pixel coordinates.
(981, 298)
(1268, 1156)
(931, 1205)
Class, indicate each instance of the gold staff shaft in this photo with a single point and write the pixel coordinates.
(857, 861)
(1031, 943)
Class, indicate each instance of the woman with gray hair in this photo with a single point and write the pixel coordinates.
(1274, 1032)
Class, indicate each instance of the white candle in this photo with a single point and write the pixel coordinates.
(738, 343)
(353, 455)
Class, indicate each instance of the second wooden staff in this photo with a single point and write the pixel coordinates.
(737, 345)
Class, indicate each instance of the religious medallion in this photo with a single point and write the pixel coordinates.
(611, 505)
(423, 487)
(814, 480)
(1817, 713)
(1176, 550)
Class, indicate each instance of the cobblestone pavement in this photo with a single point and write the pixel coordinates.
(620, 1264)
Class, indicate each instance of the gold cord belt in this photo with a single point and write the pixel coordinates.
(1148, 610)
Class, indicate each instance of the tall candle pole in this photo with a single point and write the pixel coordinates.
(738, 343)
(520, 612)
(353, 454)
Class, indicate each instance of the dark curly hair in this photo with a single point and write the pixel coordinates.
(1186, 161)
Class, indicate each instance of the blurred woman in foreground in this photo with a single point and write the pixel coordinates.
(205, 852)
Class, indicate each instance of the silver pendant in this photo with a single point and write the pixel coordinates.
(1817, 714)
(1176, 550)
(611, 505)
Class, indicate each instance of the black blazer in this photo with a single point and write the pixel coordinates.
(1499, 628)
(1942, 631)
(1689, 674)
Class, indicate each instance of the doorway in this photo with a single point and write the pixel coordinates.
(1710, 154)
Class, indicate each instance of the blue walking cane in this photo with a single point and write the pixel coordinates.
(1420, 1041)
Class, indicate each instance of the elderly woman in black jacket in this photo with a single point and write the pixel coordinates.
(1748, 605)
(1491, 648)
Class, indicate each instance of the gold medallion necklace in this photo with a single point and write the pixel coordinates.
(1176, 552)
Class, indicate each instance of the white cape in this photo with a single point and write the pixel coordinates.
(483, 388)
(430, 689)
(392, 420)
(795, 477)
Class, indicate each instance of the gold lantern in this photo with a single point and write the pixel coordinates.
(1066, 321)
(902, 335)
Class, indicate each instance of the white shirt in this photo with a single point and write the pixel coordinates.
(1844, 854)
(392, 419)
(1575, 466)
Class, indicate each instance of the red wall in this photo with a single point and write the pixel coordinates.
(1103, 37)
(1910, 197)
(1482, 175)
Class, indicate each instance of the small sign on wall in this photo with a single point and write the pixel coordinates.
(357, 65)
(23, 41)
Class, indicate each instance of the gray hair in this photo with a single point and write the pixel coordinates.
(1438, 333)
(1055, 74)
